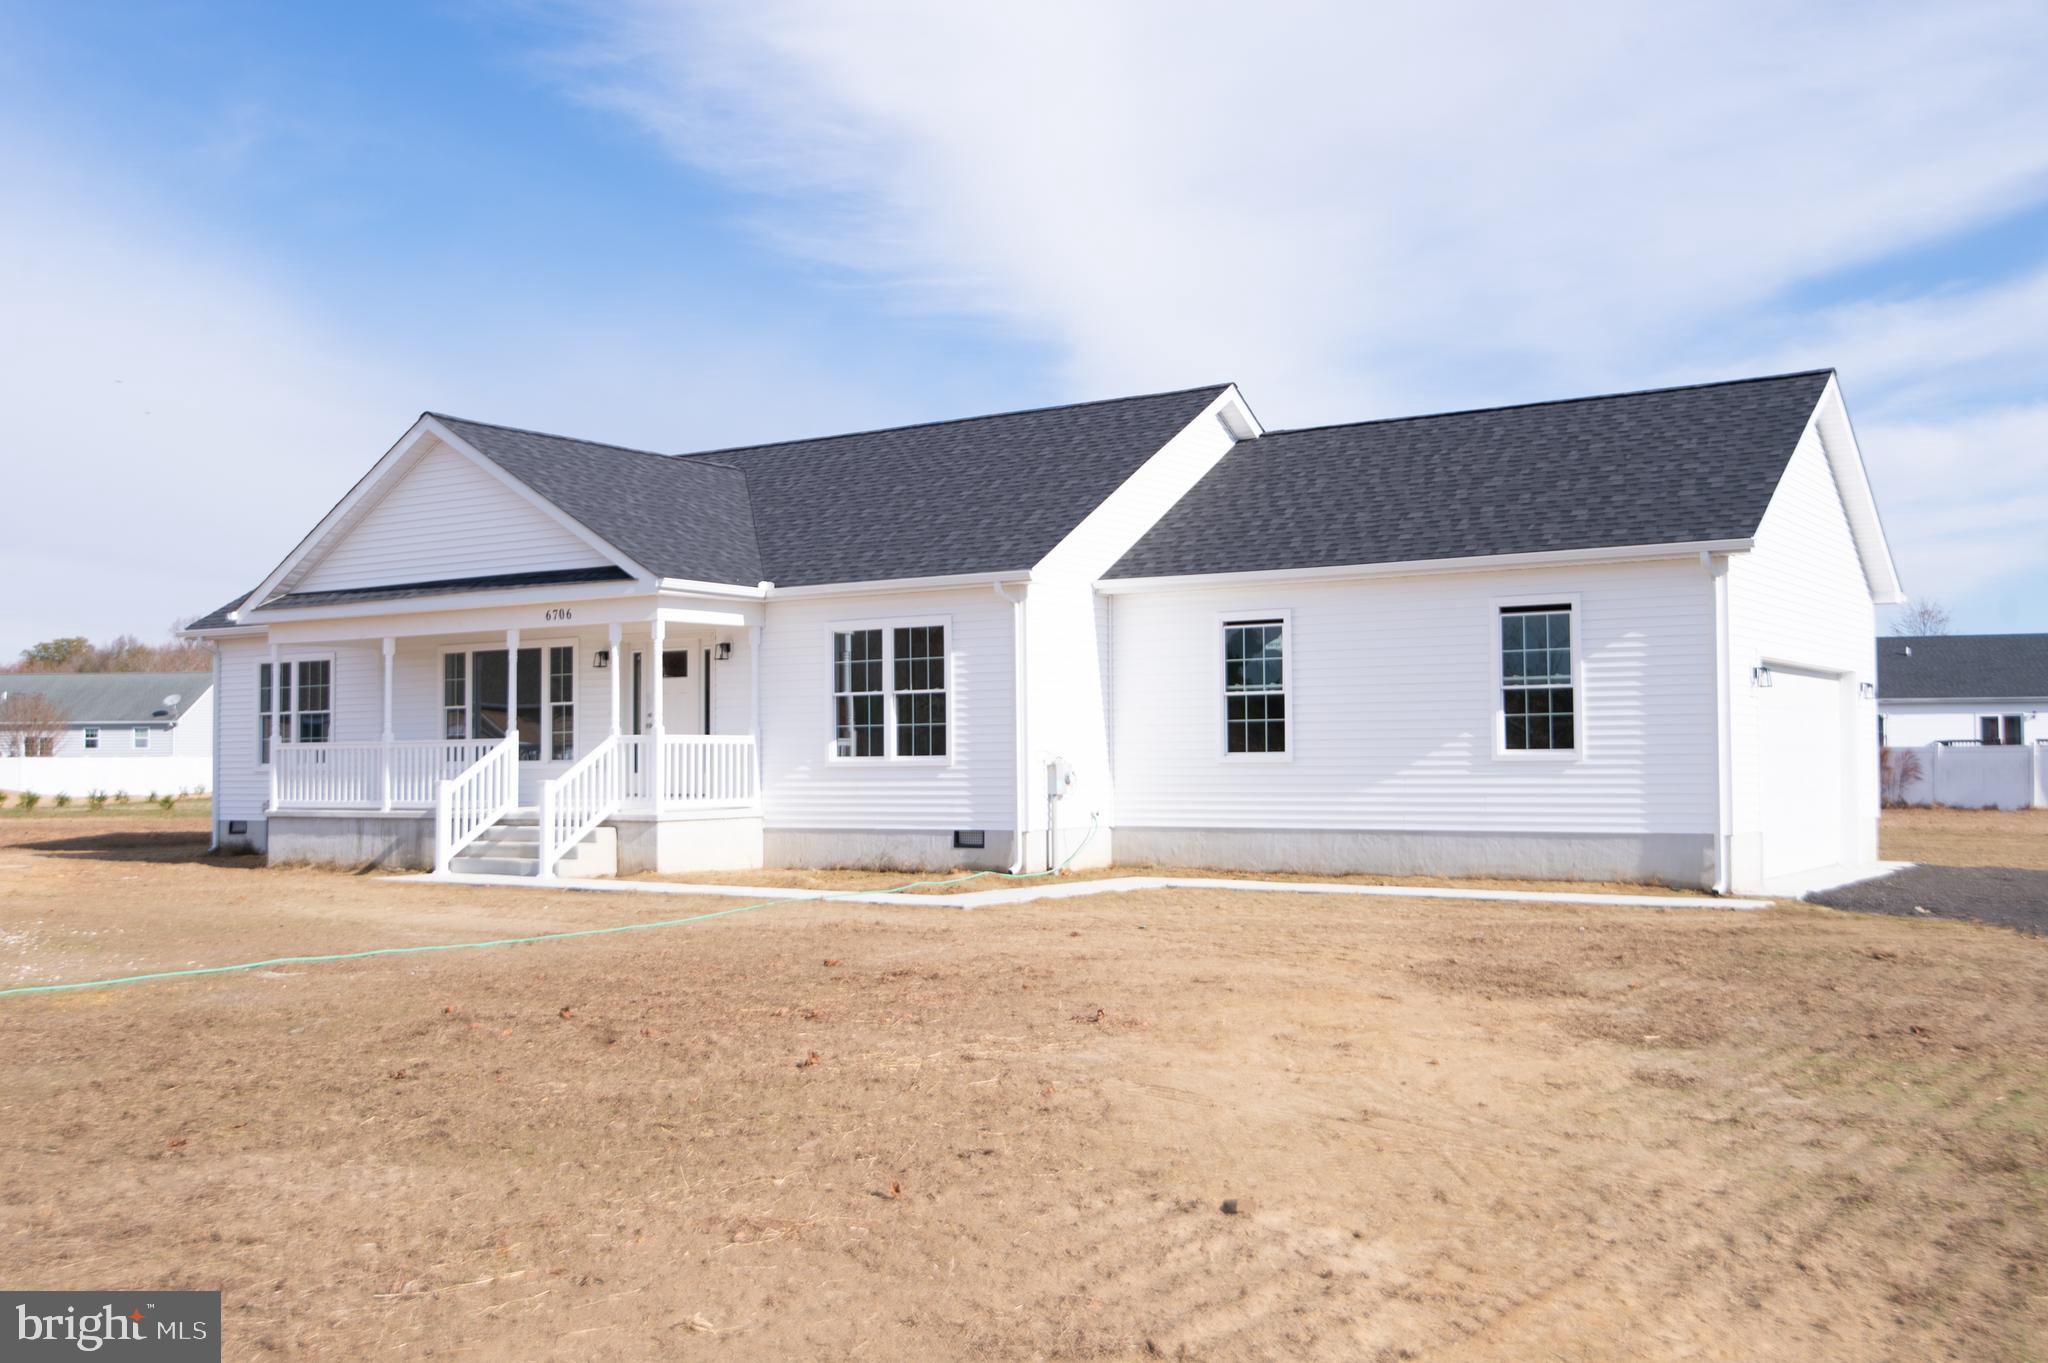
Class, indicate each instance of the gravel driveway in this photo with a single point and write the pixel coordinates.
(2001, 895)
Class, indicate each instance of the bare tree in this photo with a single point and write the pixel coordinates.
(1899, 771)
(1923, 617)
(30, 724)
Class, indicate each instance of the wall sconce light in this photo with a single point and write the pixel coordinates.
(601, 659)
(1760, 676)
(1868, 690)
(724, 649)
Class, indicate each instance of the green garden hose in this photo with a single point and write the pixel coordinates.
(529, 941)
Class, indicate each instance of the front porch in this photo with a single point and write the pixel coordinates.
(572, 750)
(677, 774)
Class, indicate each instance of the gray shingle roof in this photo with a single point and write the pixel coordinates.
(1669, 466)
(217, 618)
(684, 518)
(977, 495)
(980, 494)
(1963, 667)
(112, 697)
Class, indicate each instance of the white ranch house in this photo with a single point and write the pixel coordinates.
(1626, 637)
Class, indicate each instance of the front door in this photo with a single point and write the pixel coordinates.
(683, 673)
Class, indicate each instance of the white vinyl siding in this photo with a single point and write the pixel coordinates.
(1799, 600)
(806, 787)
(1394, 697)
(444, 517)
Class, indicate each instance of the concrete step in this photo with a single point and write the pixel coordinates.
(494, 866)
(513, 849)
(501, 836)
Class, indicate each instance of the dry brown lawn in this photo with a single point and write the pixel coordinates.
(1464, 1132)
(1966, 837)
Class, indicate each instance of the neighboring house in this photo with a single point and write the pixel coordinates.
(1626, 637)
(1962, 688)
(107, 731)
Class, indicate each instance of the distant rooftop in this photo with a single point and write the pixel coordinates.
(1962, 667)
(113, 697)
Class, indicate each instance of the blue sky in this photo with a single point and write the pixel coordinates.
(242, 245)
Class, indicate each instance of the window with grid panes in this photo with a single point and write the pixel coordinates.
(1537, 704)
(1254, 686)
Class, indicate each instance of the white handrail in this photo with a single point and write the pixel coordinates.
(580, 799)
(707, 769)
(352, 775)
(465, 805)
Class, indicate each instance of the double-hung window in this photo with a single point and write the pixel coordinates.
(889, 692)
(561, 702)
(316, 701)
(455, 695)
(295, 704)
(92, 736)
(1254, 686)
(1538, 706)
(140, 737)
(920, 671)
(2001, 729)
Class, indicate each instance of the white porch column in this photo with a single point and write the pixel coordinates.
(754, 699)
(276, 713)
(617, 662)
(512, 689)
(658, 756)
(384, 755)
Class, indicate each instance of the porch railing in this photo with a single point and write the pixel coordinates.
(468, 804)
(580, 799)
(708, 769)
(370, 775)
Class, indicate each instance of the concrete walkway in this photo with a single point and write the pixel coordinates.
(1073, 889)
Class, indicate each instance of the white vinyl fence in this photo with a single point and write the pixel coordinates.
(1970, 775)
(78, 777)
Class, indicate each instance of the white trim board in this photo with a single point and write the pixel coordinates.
(1074, 889)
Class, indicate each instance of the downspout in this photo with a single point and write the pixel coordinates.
(1724, 757)
(1019, 714)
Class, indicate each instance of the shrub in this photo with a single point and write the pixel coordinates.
(28, 799)
(165, 802)
(1899, 771)
(120, 797)
(63, 802)
(97, 799)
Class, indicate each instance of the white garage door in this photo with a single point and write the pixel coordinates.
(1805, 771)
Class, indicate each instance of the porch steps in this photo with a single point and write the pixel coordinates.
(511, 847)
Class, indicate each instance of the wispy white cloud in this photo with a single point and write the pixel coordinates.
(1312, 198)
(1363, 210)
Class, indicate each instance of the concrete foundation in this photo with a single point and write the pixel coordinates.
(1679, 859)
(675, 846)
(397, 842)
(253, 838)
(881, 849)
